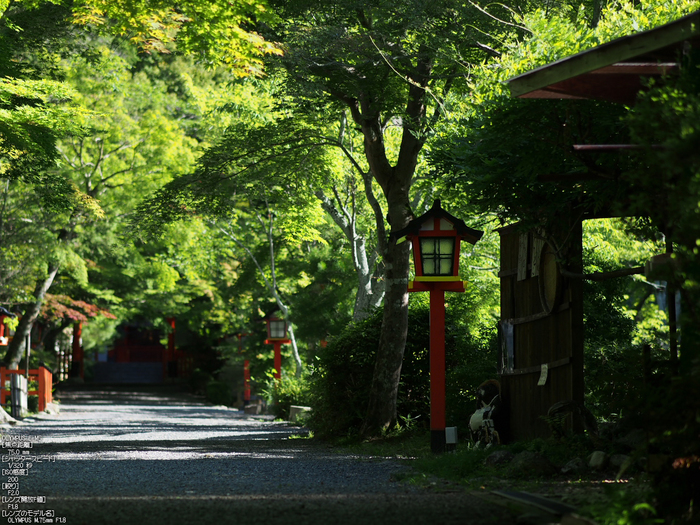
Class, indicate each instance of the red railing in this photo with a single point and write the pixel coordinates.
(42, 376)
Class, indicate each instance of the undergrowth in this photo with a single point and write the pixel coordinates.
(597, 495)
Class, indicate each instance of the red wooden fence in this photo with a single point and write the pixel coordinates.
(41, 375)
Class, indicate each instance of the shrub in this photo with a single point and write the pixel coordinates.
(343, 371)
(290, 390)
(219, 392)
(199, 380)
(341, 378)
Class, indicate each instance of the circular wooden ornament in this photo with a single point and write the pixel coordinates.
(550, 279)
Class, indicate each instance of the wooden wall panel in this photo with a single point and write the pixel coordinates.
(539, 337)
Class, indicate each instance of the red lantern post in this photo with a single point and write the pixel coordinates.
(246, 369)
(169, 357)
(4, 341)
(5, 332)
(435, 238)
(277, 336)
(77, 368)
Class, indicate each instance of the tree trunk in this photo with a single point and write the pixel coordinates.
(295, 350)
(395, 182)
(370, 293)
(370, 289)
(381, 411)
(17, 346)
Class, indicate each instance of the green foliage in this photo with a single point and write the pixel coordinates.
(10, 322)
(613, 377)
(495, 154)
(666, 118)
(199, 379)
(465, 464)
(288, 391)
(36, 108)
(515, 159)
(99, 333)
(34, 115)
(668, 181)
(252, 164)
(629, 505)
(376, 45)
(41, 356)
(324, 288)
(343, 370)
(341, 378)
(220, 32)
(219, 393)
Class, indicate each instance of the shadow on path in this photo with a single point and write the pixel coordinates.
(156, 455)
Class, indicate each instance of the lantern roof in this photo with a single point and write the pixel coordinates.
(272, 315)
(436, 212)
(5, 311)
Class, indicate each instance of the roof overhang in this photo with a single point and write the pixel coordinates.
(613, 71)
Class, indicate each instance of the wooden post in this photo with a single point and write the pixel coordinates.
(437, 371)
(246, 381)
(45, 380)
(169, 353)
(28, 346)
(277, 343)
(171, 338)
(278, 360)
(77, 369)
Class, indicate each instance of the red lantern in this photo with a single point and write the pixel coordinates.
(435, 237)
(5, 332)
(277, 336)
(276, 329)
(3, 339)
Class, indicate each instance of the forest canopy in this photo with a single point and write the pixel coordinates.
(209, 165)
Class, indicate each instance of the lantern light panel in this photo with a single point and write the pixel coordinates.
(437, 254)
(277, 329)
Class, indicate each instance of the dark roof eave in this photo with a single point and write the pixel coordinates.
(616, 51)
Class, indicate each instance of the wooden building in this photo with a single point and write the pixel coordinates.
(541, 310)
(138, 356)
(541, 329)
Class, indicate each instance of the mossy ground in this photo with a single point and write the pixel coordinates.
(600, 495)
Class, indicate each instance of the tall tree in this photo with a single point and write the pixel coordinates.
(344, 204)
(37, 112)
(390, 67)
(137, 138)
(263, 220)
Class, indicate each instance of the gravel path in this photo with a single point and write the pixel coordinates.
(152, 456)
